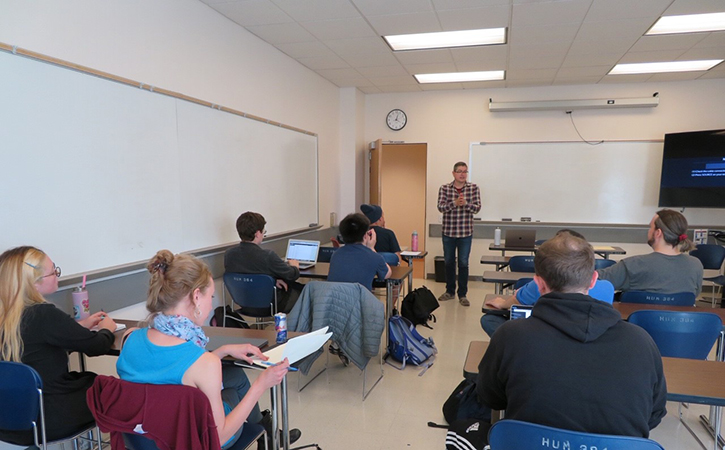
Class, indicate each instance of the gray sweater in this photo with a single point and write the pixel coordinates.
(656, 272)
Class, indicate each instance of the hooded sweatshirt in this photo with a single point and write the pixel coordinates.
(575, 364)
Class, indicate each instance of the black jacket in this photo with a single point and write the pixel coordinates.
(575, 364)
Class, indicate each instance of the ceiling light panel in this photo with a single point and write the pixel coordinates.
(690, 23)
(446, 39)
(460, 77)
(661, 67)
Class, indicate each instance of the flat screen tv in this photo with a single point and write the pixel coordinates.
(693, 170)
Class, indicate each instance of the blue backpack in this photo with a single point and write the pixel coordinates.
(406, 345)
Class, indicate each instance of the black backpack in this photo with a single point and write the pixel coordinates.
(418, 306)
(234, 319)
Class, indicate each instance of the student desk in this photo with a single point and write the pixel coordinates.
(602, 250)
(270, 335)
(409, 259)
(500, 278)
(501, 262)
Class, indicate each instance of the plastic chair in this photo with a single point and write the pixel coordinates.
(325, 254)
(255, 294)
(250, 433)
(517, 435)
(681, 334)
(522, 264)
(21, 397)
(653, 298)
(711, 256)
(603, 263)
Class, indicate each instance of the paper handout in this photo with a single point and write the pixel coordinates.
(296, 348)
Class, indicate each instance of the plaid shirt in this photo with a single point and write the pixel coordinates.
(458, 220)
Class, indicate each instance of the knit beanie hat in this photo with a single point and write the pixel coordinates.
(372, 212)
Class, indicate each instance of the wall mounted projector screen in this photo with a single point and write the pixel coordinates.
(100, 174)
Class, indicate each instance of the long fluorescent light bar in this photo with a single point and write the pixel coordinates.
(446, 39)
(690, 23)
(659, 67)
(460, 77)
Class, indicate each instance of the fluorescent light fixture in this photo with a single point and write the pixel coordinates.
(446, 39)
(658, 67)
(690, 23)
(460, 77)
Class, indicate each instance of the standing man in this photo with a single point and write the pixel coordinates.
(458, 201)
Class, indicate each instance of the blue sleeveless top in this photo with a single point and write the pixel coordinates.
(141, 361)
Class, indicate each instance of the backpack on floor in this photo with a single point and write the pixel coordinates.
(234, 319)
(463, 404)
(418, 306)
(406, 345)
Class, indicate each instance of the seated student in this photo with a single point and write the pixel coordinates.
(386, 243)
(668, 269)
(357, 261)
(571, 364)
(171, 349)
(529, 294)
(250, 258)
(36, 333)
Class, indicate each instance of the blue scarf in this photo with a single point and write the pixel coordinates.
(181, 327)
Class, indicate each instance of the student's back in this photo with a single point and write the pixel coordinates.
(355, 263)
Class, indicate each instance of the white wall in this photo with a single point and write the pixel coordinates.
(450, 120)
(187, 47)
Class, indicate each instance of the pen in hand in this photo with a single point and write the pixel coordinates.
(267, 363)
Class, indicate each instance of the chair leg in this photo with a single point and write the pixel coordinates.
(682, 420)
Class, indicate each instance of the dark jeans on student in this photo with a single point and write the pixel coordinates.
(462, 246)
(491, 322)
(235, 386)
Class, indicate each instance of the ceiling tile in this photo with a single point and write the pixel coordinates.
(475, 18)
(576, 80)
(536, 62)
(486, 64)
(640, 57)
(385, 7)
(527, 35)
(282, 33)
(703, 53)
(712, 74)
(676, 76)
(423, 22)
(345, 47)
(463, 4)
(679, 7)
(339, 29)
(530, 74)
(324, 62)
(612, 79)
(424, 56)
(623, 29)
(524, 83)
(715, 39)
(397, 88)
(370, 90)
(667, 42)
(432, 68)
(589, 71)
(554, 49)
(484, 85)
(579, 46)
(393, 81)
(549, 13)
(305, 49)
(313, 10)
(339, 73)
(441, 86)
(370, 59)
(483, 53)
(352, 82)
(591, 59)
(626, 9)
(253, 12)
(383, 71)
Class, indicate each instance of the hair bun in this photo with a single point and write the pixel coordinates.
(160, 262)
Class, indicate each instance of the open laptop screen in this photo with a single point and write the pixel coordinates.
(303, 250)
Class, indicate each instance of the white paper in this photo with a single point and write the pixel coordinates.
(296, 348)
(407, 253)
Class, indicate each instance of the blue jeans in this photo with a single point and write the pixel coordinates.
(390, 258)
(491, 322)
(463, 247)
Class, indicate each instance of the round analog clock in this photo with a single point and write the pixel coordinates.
(396, 119)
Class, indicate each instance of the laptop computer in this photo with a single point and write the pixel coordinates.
(303, 251)
(520, 311)
(521, 238)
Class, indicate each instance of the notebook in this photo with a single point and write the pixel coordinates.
(303, 251)
(521, 238)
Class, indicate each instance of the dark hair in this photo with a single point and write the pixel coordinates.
(566, 263)
(459, 164)
(674, 229)
(572, 232)
(353, 228)
(248, 224)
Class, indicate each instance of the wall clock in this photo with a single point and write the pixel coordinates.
(396, 119)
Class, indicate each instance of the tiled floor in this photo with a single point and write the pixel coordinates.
(331, 412)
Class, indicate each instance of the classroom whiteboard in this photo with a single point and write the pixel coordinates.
(614, 182)
(100, 174)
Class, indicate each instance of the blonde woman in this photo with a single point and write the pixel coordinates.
(36, 333)
(171, 350)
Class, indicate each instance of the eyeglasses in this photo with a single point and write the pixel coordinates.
(56, 270)
(461, 171)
